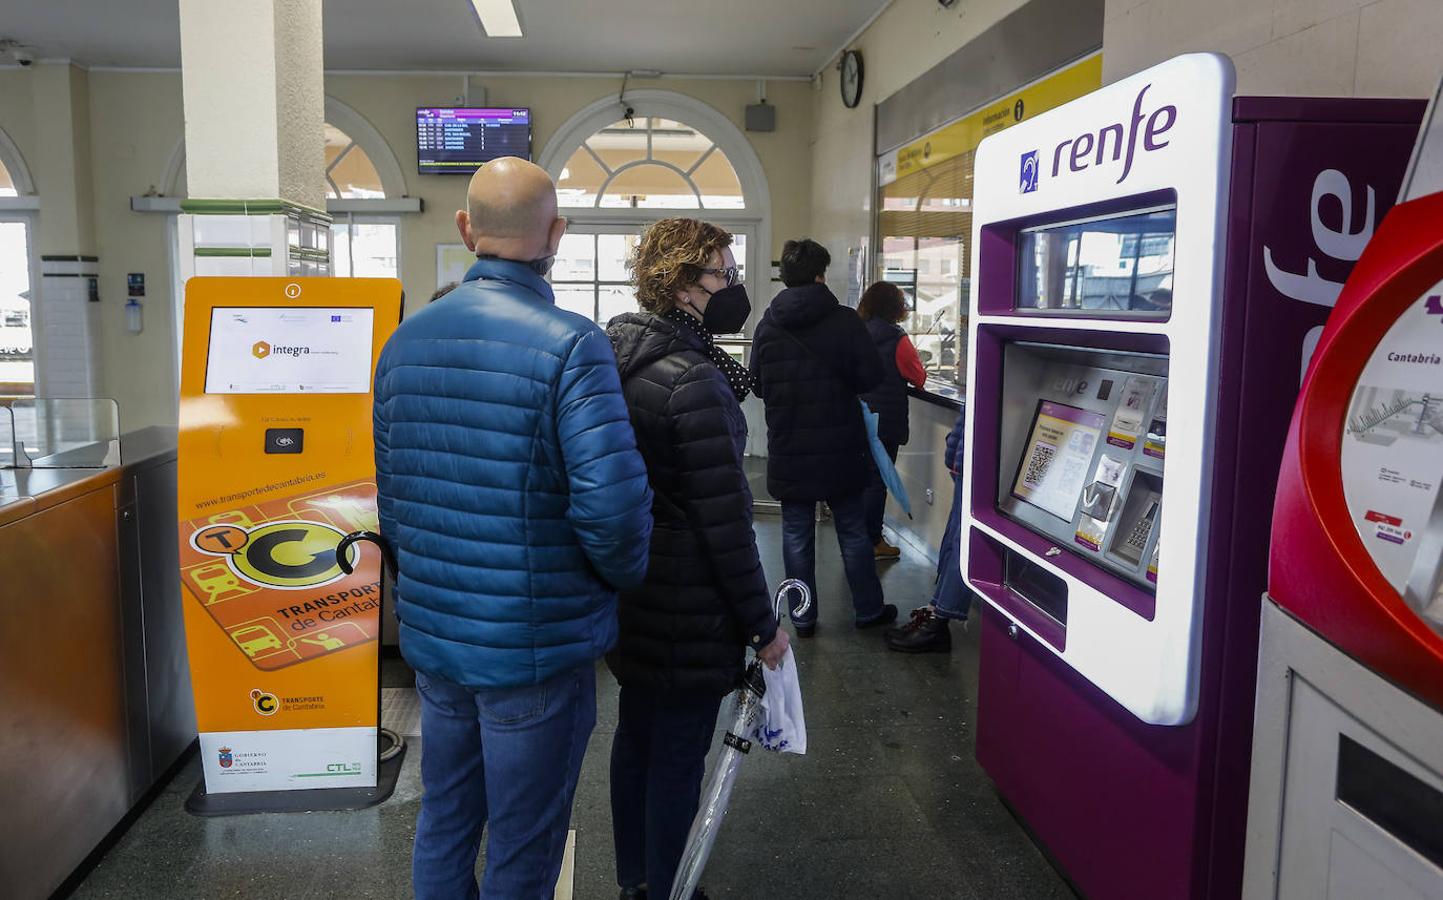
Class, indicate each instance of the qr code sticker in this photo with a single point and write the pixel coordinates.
(1038, 464)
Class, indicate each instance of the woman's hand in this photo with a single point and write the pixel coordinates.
(772, 653)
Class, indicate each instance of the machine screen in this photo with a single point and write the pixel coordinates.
(1120, 266)
(1055, 463)
(1083, 445)
(289, 350)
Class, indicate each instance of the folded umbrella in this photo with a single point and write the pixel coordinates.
(890, 478)
(717, 794)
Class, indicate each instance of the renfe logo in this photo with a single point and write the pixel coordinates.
(1082, 154)
(1344, 243)
(1029, 171)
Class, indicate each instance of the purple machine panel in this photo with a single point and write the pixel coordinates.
(1130, 810)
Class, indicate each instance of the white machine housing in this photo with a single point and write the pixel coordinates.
(1150, 667)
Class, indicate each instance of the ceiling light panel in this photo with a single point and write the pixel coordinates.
(498, 17)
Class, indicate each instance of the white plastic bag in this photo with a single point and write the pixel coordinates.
(781, 727)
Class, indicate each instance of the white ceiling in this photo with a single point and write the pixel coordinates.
(705, 37)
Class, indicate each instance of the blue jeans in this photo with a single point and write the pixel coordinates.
(799, 553)
(658, 759)
(876, 495)
(952, 599)
(507, 757)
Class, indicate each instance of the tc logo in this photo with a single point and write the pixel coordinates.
(286, 555)
(261, 350)
(266, 703)
(1028, 182)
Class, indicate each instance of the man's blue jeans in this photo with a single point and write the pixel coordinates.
(799, 553)
(504, 757)
(952, 599)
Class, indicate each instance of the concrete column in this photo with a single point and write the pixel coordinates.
(254, 98)
(64, 318)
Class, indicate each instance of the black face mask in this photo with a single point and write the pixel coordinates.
(727, 310)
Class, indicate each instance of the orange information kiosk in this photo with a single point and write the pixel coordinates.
(275, 469)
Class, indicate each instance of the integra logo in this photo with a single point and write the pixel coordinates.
(1089, 149)
(262, 349)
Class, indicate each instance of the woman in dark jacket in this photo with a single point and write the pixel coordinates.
(705, 600)
(882, 307)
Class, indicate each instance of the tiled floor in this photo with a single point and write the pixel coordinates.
(888, 803)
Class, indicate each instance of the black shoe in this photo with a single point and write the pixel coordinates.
(633, 893)
(806, 629)
(926, 633)
(918, 614)
(888, 616)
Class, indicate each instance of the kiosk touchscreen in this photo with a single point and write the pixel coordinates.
(276, 467)
(1152, 265)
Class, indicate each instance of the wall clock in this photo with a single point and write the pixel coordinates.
(851, 78)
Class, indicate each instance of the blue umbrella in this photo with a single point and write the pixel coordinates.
(890, 478)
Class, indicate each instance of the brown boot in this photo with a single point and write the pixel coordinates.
(885, 551)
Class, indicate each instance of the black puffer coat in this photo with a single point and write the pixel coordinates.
(889, 398)
(705, 598)
(816, 442)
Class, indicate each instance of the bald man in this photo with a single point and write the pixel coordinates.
(511, 489)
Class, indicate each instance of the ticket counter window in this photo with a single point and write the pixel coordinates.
(925, 226)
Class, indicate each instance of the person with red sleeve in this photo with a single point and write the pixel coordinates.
(882, 307)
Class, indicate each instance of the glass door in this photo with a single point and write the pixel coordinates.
(17, 337)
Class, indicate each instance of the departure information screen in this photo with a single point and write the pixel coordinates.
(289, 350)
(458, 141)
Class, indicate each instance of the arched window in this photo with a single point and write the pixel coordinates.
(350, 174)
(7, 182)
(614, 176)
(649, 163)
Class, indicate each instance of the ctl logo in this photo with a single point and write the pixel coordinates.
(1029, 172)
(266, 703)
(261, 350)
(291, 555)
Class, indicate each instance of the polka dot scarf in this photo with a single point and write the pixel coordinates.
(736, 375)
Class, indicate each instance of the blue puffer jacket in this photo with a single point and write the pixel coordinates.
(510, 485)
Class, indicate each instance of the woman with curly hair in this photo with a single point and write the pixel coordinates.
(705, 599)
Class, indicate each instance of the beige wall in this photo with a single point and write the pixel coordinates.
(1341, 48)
(389, 104)
(909, 38)
(136, 124)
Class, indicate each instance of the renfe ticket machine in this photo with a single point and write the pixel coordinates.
(1347, 787)
(1153, 264)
